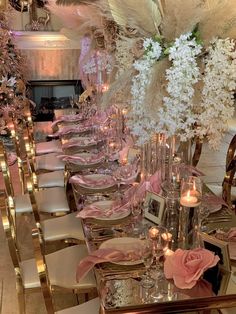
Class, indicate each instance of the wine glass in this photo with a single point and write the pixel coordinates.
(147, 258)
(160, 240)
(137, 211)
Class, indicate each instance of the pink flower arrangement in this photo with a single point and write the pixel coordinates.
(185, 267)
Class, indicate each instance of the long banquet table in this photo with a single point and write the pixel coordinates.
(119, 285)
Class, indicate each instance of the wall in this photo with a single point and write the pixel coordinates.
(51, 56)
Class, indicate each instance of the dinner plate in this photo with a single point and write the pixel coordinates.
(85, 156)
(97, 177)
(124, 244)
(214, 209)
(106, 205)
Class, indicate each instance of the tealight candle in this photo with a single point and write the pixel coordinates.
(189, 200)
(153, 233)
(124, 111)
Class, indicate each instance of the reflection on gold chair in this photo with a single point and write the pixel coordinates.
(25, 271)
(57, 270)
(228, 188)
(52, 201)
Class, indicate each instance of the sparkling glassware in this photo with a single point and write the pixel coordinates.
(147, 258)
(160, 239)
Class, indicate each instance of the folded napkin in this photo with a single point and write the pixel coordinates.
(81, 142)
(93, 211)
(67, 130)
(76, 158)
(68, 118)
(92, 182)
(103, 256)
(229, 236)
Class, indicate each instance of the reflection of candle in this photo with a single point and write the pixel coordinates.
(124, 111)
(153, 233)
(189, 200)
(124, 161)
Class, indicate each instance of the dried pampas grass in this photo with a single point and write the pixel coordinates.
(220, 21)
(123, 83)
(180, 16)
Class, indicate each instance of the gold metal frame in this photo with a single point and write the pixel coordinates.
(8, 221)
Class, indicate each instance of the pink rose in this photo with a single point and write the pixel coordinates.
(185, 267)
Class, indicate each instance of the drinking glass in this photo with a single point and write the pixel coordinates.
(147, 258)
(160, 239)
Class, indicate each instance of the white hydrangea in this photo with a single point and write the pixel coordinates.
(218, 92)
(139, 122)
(177, 116)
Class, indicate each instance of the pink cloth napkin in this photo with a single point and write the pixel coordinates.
(80, 142)
(69, 117)
(67, 130)
(229, 236)
(76, 158)
(78, 179)
(92, 211)
(103, 256)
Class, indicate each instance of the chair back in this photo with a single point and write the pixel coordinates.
(6, 171)
(38, 244)
(230, 170)
(8, 222)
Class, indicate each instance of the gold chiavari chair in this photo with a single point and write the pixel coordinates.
(57, 270)
(66, 229)
(40, 166)
(52, 201)
(26, 272)
(228, 188)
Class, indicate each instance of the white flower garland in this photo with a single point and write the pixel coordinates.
(139, 122)
(217, 96)
(177, 116)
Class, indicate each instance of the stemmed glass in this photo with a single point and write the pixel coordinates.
(137, 211)
(147, 258)
(160, 239)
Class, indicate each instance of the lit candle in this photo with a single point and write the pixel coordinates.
(189, 200)
(153, 233)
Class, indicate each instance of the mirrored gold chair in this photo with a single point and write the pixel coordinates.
(228, 188)
(57, 271)
(52, 201)
(66, 228)
(26, 272)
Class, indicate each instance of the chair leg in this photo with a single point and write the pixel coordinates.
(21, 297)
